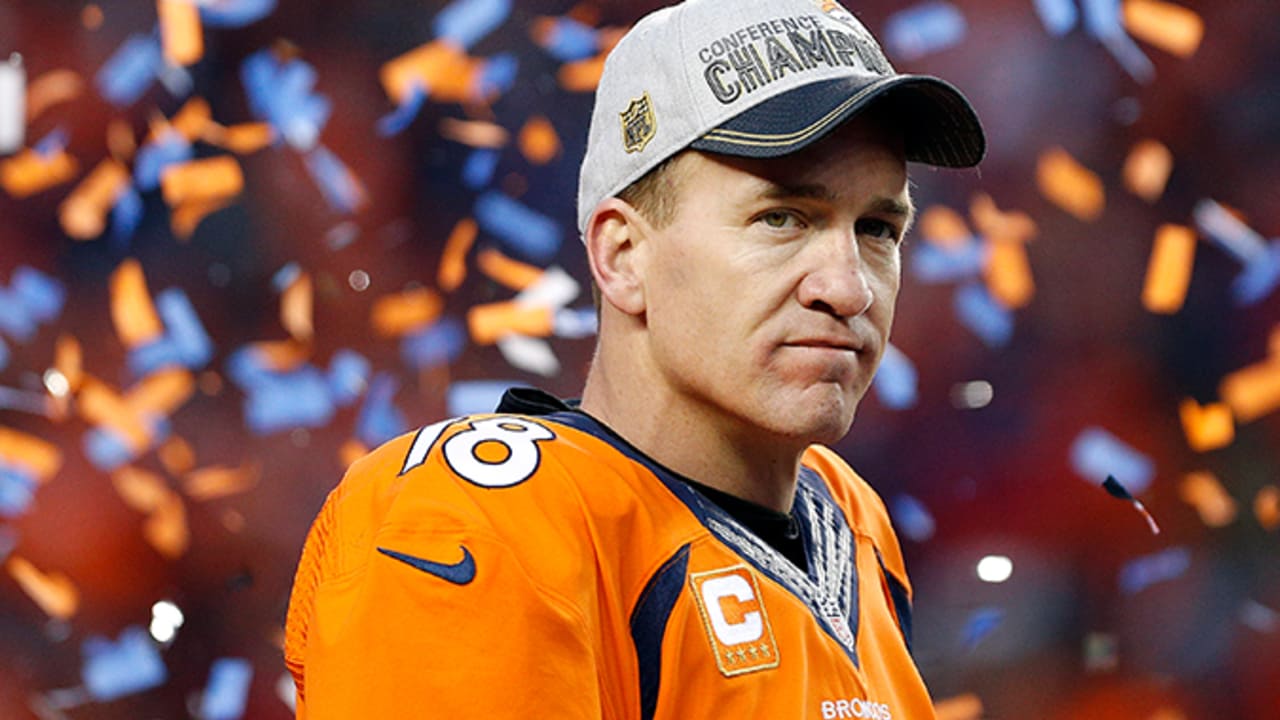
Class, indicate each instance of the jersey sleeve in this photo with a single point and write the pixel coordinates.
(404, 606)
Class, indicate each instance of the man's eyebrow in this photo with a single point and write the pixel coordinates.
(898, 207)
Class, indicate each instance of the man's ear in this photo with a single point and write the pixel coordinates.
(615, 237)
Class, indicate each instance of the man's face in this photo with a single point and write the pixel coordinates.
(770, 295)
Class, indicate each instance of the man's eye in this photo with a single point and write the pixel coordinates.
(779, 219)
(877, 229)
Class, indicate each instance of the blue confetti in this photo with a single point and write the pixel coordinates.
(234, 13)
(4, 355)
(478, 169)
(348, 377)
(1058, 16)
(184, 328)
(470, 397)
(107, 450)
(923, 29)
(931, 263)
(247, 368)
(466, 22)
(15, 321)
(526, 233)
(1143, 572)
(575, 323)
(127, 74)
(1096, 453)
(126, 214)
(286, 276)
(40, 295)
(986, 317)
(336, 183)
(52, 143)
(283, 401)
(185, 342)
(1258, 278)
(981, 623)
(17, 489)
(570, 40)
(437, 344)
(170, 148)
(496, 76)
(895, 381)
(1103, 19)
(379, 419)
(911, 517)
(115, 669)
(403, 116)
(281, 94)
(227, 692)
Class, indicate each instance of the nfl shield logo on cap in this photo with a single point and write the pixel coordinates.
(639, 124)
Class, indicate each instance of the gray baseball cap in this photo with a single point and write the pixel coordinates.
(756, 78)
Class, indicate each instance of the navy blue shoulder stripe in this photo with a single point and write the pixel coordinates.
(649, 623)
(901, 601)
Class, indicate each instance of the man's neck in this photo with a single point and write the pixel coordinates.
(694, 441)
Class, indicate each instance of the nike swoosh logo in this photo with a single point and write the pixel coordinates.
(459, 573)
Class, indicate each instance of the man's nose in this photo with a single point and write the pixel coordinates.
(837, 281)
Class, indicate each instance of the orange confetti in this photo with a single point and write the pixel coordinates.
(994, 223)
(30, 172)
(181, 35)
(475, 133)
(68, 359)
(1266, 507)
(403, 313)
(1169, 269)
(187, 217)
(281, 355)
(215, 482)
(52, 88)
(207, 179)
(120, 141)
(1207, 427)
(1069, 185)
(84, 213)
(1146, 170)
(960, 707)
(54, 592)
(162, 392)
(1252, 391)
(581, 75)
(241, 139)
(944, 227)
(1202, 491)
(1173, 28)
(166, 528)
(177, 456)
(453, 261)
(296, 308)
(442, 68)
(132, 312)
(1008, 273)
(191, 120)
(511, 273)
(140, 489)
(539, 142)
(351, 451)
(39, 457)
(100, 405)
(491, 321)
(91, 17)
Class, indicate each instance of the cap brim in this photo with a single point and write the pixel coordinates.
(939, 125)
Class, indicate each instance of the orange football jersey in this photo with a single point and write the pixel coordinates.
(538, 566)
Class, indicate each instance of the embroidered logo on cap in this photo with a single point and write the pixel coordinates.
(735, 620)
(639, 124)
(835, 10)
